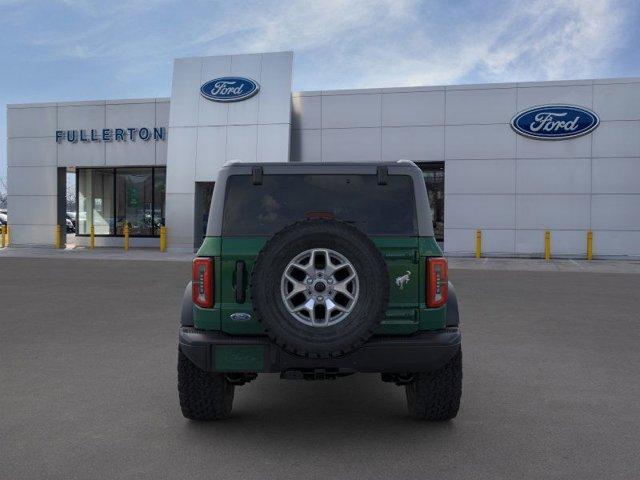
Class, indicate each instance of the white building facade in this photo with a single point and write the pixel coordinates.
(152, 162)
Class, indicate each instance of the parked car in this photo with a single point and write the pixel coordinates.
(317, 271)
(71, 222)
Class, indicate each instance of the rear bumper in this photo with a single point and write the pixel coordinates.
(420, 352)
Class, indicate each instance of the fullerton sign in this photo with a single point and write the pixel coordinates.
(555, 122)
(111, 135)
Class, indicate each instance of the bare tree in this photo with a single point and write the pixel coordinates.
(71, 195)
(3, 193)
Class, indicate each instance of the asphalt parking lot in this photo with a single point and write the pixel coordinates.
(88, 386)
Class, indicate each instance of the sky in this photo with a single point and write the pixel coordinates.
(108, 49)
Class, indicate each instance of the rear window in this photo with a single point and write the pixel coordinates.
(284, 199)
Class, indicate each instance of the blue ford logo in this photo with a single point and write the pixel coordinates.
(229, 89)
(555, 122)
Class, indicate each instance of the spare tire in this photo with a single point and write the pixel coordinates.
(319, 288)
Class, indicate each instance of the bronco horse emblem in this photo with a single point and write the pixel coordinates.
(402, 280)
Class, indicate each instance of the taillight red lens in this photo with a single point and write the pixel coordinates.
(437, 282)
(202, 282)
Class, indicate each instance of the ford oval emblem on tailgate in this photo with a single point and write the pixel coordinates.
(240, 317)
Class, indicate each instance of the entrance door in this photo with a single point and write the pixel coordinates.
(434, 178)
(204, 192)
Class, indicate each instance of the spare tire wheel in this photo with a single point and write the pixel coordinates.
(319, 288)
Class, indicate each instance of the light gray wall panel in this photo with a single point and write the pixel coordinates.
(306, 112)
(242, 143)
(181, 173)
(162, 113)
(350, 111)
(574, 148)
(617, 102)
(480, 106)
(497, 242)
(480, 176)
(563, 242)
(85, 117)
(32, 180)
(91, 154)
(185, 92)
(275, 103)
(32, 122)
(616, 243)
(26, 235)
(562, 212)
(306, 145)
(479, 142)
(351, 144)
(213, 113)
(180, 221)
(125, 115)
(560, 175)
(273, 143)
(616, 175)
(161, 151)
(617, 139)
(27, 152)
(162, 120)
(212, 144)
(412, 108)
(542, 95)
(615, 212)
(35, 210)
(413, 143)
(479, 211)
(245, 112)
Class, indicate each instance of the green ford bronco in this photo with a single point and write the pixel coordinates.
(317, 271)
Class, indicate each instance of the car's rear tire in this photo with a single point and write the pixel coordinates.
(435, 396)
(203, 395)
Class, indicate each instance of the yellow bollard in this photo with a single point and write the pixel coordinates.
(589, 245)
(126, 238)
(163, 239)
(3, 233)
(92, 237)
(58, 236)
(547, 245)
(8, 233)
(478, 243)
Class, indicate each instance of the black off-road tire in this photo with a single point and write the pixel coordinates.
(435, 396)
(203, 395)
(305, 340)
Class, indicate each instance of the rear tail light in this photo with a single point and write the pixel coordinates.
(202, 282)
(437, 282)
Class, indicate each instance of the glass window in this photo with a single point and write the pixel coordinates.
(434, 180)
(95, 201)
(134, 199)
(159, 189)
(111, 198)
(284, 199)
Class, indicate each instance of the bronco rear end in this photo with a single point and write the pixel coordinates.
(319, 271)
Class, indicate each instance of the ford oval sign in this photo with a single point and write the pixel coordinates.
(229, 89)
(555, 122)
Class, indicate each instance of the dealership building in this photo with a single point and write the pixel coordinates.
(512, 159)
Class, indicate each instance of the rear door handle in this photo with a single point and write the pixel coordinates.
(239, 287)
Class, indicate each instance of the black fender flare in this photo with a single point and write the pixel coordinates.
(186, 312)
(453, 316)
